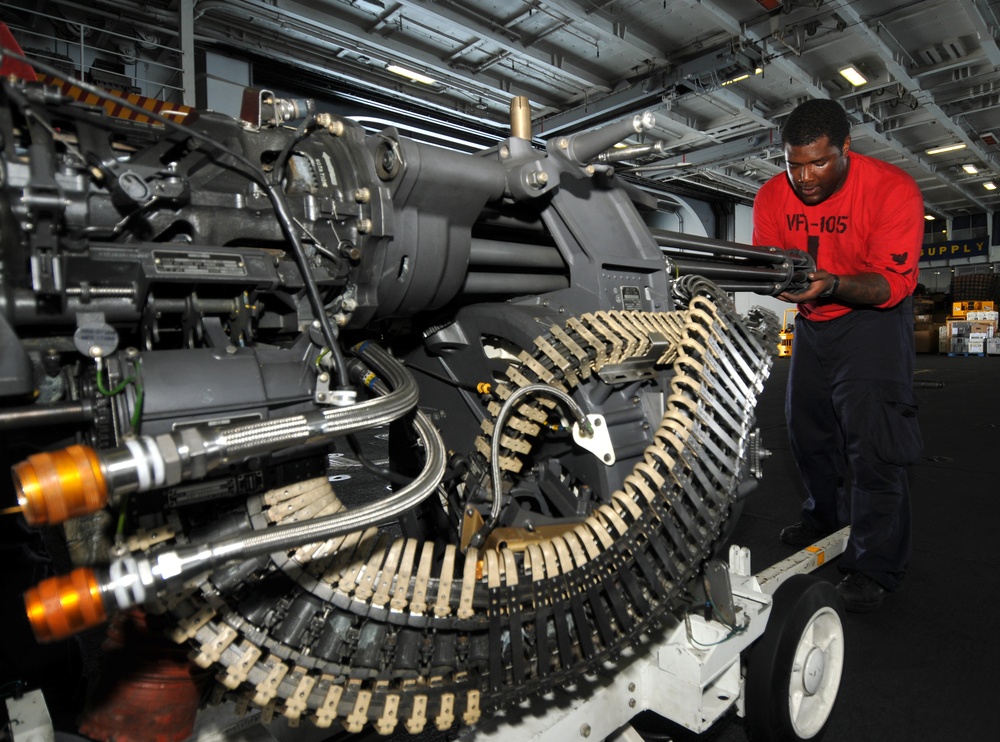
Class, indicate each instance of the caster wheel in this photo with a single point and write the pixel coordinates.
(794, 670)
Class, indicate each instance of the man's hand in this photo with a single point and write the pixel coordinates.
(819, 281)
(861, 289)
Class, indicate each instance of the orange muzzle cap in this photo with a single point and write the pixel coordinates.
(55, 486)
(65, 605)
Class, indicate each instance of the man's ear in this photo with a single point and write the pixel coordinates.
(847, 145)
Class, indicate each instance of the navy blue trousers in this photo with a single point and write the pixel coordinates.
(852, 423)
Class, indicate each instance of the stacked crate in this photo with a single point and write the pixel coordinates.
(971, 328)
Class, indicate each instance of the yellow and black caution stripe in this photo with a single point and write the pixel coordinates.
(113, 105)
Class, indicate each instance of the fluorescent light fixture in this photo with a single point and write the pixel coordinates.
(946, 148)
(970, 169)
(742, 77)
(990, 185)
(929, 217)
(411, 75)
(853, 76)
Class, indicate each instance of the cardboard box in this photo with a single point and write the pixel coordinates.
(993, 347)
(961, 308)
(959, 345)
(982, 316)
(976, 345)
(982, 329)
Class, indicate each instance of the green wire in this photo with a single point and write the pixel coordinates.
(139, 395)
(136, 382)
(117, 390)
(122, 515)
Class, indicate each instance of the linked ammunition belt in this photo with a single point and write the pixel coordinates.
(361, 630)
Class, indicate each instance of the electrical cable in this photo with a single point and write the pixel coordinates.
(369, 465)
(501, 420)
(445, 380)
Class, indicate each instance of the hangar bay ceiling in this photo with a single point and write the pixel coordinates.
(720, 74)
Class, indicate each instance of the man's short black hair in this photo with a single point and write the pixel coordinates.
(814, 119)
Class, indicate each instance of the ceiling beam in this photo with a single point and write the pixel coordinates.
(248, 15)
(579, 72)
(606, 26)
(987, 26)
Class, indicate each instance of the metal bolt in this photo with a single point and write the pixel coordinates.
(538, 179)
(631, 703)
(590, 170)
(324, 377)
(585, 730)
(364, 226)
(631, 687)
(362, 195)
(564, 143)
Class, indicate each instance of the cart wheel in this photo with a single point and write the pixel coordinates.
(794, 670)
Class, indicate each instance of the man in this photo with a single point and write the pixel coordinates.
(849, 404)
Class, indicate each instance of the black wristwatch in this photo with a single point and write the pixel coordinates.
(833, 288)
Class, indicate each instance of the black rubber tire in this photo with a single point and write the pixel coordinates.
(787, 697)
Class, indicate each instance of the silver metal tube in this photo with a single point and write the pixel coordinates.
(199, 557)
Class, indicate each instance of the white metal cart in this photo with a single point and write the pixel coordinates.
(693, 673)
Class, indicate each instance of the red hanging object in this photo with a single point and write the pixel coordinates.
(148, 690)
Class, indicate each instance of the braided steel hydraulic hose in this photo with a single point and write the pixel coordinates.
(54, 486)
